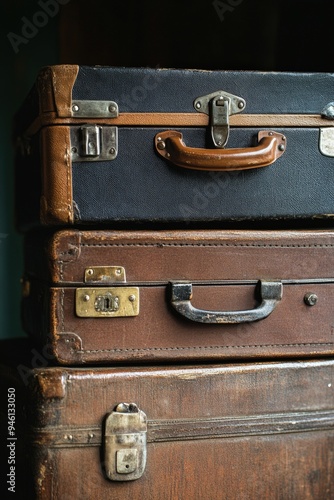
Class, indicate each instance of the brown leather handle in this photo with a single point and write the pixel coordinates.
(271, 145)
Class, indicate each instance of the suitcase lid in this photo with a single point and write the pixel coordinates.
(73, 94)
(55, 393)
(73, 257)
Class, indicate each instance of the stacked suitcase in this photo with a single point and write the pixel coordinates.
(179, 264)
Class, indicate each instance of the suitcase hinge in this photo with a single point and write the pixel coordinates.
(93, 143)
(219, 106)
(125, 443)
(101, 301)
(94, 109)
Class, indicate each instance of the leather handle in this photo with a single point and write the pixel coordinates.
(271, 145)
(181, 294)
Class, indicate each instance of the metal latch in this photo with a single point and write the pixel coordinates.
(93, 143)
(219, 106)
(125, 443)
(102, 301)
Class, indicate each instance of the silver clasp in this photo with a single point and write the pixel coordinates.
(125, 443)
(219, 106)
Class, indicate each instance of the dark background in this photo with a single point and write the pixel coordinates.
(266, 35)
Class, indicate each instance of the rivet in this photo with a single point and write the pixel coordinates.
(74, 149)
(198, 105)
(161, 145)
(270, 133)
(112, 151)
(241, 104)
(86, 298)
(90, 271)
(220, 143)
(112, 108)
(132, 298)
(118, 271)
(122, 408)
(310, 299)
(75, 108)
(281, 147)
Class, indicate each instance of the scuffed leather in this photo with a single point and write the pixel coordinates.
(56, 198)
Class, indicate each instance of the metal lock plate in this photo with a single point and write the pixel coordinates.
(125, 443)
(94, 109)
(107, 302)
(219, 106)
(93, 143)
(105, 274)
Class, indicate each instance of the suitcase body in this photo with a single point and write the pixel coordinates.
(114, 146)
(147, 296)
(237, 432)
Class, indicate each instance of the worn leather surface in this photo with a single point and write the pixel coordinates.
(56, 204)
(224, 268)
(244, 454)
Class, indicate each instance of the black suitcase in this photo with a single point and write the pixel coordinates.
(112, 145)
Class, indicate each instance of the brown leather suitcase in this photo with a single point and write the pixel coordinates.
(175, 296)
(234, 431)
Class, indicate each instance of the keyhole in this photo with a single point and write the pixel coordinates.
(107, 303)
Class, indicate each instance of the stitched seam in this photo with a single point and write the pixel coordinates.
(62, 315)
(69, 169)
(61, 271)
(204, 347)
(233, 245)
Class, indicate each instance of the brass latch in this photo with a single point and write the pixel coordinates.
(110, 301)
(219, 106)
(125, 443)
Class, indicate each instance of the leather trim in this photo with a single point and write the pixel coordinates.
(183, 120)
(45, 92)
(194, 119)
(63, 79)
(55, 85)
(57, 198)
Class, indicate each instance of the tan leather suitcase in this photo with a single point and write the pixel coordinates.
(229, 431)
(175, 296)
